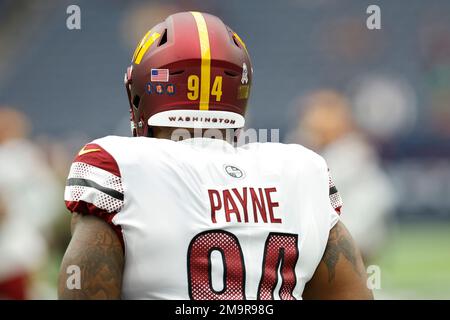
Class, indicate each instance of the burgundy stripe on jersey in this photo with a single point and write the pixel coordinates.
(94, 185)
(95, 155)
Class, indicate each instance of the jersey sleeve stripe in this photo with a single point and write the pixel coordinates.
(335, 197)
(102, 177)
(92, 184)
(74, 194)
(333, 190)
(336, 202)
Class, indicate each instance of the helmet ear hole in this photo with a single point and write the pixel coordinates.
(163, 38)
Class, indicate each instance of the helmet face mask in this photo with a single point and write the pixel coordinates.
(190, 71)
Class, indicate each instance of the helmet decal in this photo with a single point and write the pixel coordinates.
(205, 51)
(143, 46)
(244, 78)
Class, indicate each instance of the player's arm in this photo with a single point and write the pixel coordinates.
(94, 194)
(341, 273)
(96, 249)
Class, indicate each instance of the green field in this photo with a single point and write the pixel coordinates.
(415, 263)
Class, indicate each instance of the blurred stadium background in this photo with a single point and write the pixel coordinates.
(375, 103)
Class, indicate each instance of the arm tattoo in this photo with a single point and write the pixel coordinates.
(98, 253)
(340, 244)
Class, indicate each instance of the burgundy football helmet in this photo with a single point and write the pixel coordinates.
(189, 71)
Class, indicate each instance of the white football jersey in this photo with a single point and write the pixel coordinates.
(201, 219)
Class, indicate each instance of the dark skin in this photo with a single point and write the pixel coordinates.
(97, 250)
(341, 274)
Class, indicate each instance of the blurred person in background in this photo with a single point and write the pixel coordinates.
(326, 125)
(28, 204)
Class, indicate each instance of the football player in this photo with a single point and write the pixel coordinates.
(158, 218)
